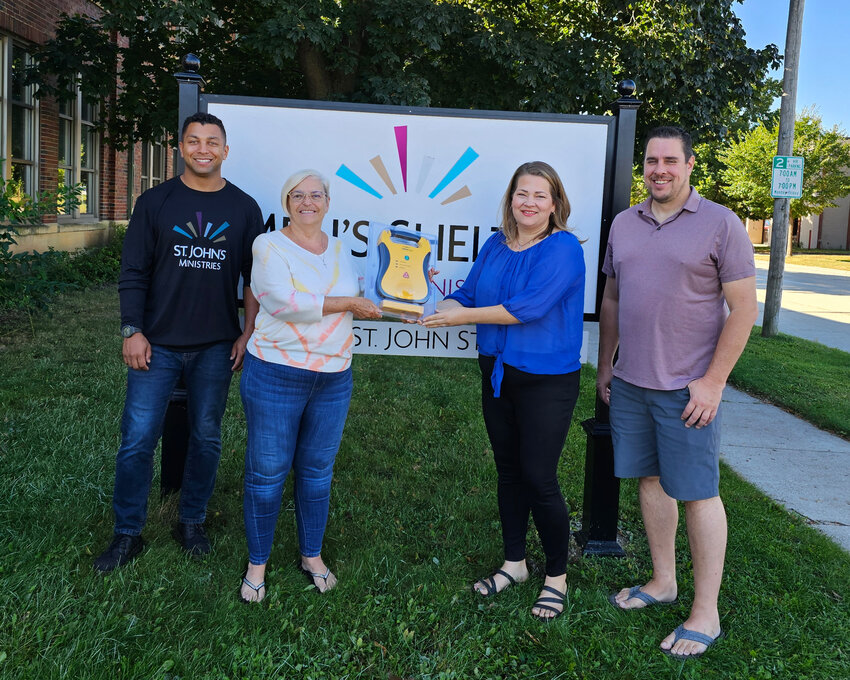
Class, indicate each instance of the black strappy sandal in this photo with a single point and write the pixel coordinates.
(541, 603)
(490, 583)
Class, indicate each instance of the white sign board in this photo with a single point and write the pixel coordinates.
(787, 180)
(438, 173)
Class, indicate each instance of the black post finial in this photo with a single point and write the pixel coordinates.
(627, 100)
(626, 88)
(191, 63)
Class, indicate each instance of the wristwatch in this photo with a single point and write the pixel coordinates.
(128, 330)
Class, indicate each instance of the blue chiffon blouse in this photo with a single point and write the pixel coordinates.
(543, 287)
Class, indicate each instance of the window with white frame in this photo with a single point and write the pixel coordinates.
(20, 114)
(153, 170)
(79, 151)
(4, 99)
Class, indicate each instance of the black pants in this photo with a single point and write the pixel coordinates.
(527, 426)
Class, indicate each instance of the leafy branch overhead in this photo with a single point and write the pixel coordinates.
(689, 58)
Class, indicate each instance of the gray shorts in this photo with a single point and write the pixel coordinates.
(651, 440)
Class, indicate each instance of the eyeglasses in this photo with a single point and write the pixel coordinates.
(300, 196)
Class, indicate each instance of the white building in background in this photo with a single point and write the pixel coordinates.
(829, 231)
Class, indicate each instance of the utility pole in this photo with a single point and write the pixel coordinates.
(779, 238)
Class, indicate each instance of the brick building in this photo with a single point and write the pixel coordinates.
(44, 142)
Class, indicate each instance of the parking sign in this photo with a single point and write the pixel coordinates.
(787, 179)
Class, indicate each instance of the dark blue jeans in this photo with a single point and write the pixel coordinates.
(295, 419)
(207, 377)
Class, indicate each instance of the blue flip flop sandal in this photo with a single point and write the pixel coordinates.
(636, 592)
(682, 633)
(313, 575)
(256, 589)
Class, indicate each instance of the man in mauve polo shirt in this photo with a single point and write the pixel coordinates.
(680, 301)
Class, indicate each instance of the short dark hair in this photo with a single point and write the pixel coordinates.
(203, 119)
(671, 132)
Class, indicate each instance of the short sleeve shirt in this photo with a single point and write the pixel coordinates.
(669, 276)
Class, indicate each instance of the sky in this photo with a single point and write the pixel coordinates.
(824, 51)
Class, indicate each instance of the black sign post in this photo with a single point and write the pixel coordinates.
(598, 535)
(175, 428)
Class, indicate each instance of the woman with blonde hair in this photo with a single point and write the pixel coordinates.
(525, 292)
(296, 383)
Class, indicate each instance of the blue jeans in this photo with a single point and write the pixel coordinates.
(295, 419)
(207, 377)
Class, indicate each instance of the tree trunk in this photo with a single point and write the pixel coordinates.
(315, 70)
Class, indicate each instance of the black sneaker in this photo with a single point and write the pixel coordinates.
(192, 538)
(122, 550)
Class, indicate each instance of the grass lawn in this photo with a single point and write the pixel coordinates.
(804, 377)
(829, 259)
(413, 522)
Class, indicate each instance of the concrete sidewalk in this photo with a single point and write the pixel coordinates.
(803, 468)
(770, 447)
(815, 303)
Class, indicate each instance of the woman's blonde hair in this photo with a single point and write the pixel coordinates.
(558, 218)
(295, 179)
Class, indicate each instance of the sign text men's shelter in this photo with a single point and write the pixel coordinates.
(440, 171)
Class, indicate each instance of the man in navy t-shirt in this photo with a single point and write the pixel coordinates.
(187, 244)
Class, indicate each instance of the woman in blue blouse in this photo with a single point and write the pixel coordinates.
(525, 292)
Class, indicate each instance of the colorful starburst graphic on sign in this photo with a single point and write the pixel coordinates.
(461, 164)
(196, 233)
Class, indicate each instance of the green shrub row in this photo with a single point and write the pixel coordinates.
(29, 281)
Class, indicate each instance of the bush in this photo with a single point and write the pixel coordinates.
(100, 265)
(29, 281)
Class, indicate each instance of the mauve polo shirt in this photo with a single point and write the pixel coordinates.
(669, 277)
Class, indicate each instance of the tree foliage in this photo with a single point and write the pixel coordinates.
(748, 167)
(707, 176)
(688, 57)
